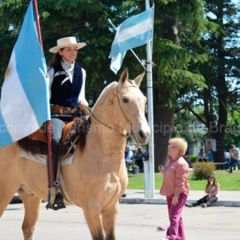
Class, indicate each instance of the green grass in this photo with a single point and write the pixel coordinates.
(227, 181)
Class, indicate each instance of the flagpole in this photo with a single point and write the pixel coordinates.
(149, 169)
(49, 125)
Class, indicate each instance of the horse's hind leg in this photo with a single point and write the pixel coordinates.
(32, 207)
(109, 218)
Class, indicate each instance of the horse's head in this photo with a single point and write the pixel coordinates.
(132, 102)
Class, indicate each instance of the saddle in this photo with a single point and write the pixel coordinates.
(74, 133)
(41, 134)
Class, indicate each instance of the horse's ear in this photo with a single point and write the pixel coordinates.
(124, 76)
(139, 79)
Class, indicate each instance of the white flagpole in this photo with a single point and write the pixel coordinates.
(149, 169)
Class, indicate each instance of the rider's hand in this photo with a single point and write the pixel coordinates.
(84, 107)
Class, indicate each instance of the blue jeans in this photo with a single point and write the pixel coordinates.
(231, 164)
(57, 128)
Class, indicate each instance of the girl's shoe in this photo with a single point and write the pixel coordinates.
(204, 205)
(161, 229)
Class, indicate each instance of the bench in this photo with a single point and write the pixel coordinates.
(224, 165)
(220, 165)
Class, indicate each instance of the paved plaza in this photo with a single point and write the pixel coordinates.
(135, 221)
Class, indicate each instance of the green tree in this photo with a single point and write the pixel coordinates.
(178, 28)
(221, 71)
(233, 127)
(87, 20)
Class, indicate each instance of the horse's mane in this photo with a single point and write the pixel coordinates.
(105, 93)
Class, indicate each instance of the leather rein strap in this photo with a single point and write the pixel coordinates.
(123, 113)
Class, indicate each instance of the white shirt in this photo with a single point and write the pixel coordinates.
(69, 70)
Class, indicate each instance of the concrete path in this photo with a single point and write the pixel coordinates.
(135, 221)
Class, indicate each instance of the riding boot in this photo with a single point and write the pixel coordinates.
(58, 201)
(56, 157)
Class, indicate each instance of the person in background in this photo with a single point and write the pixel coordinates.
(212, 189)
(128, 154)
(234, 157)
(210, 155)
(128, 160)
(201, 155)
(175, 187)
(139, 158)
(128, 157)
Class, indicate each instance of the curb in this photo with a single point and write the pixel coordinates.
(16, 200)
(161, 201)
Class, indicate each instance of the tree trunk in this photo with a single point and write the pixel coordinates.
(163, 116)
(222, 91)
(163, 128)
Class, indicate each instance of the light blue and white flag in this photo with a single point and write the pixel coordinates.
(133, 32)
(24, 103)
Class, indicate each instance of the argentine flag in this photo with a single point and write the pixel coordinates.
(133, 32)
(24, 103)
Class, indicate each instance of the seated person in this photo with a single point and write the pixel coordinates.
(139, 157)
(234, 157)
(210, 155)
(201, 155)
(128, 157)
(212, 189)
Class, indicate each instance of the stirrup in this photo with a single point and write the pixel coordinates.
(58, 202)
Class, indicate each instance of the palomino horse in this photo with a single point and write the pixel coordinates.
(97, 177)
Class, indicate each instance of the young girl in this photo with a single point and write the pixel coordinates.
(212, 189)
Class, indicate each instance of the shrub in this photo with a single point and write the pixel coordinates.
(201, 170)
(193, 158)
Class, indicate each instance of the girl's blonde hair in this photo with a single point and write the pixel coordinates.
(180, 143)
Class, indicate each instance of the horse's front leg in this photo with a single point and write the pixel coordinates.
(109, 218)
(32, 207)
(7, 191)
(94, 220)
(9, 179)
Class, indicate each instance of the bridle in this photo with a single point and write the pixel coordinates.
(123, 113)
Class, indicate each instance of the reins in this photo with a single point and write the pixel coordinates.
(107, 125)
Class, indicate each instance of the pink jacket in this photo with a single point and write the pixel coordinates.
(175, 178)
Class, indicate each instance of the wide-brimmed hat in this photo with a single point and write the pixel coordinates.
(67, 42)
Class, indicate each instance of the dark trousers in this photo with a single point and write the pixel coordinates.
(206, 199)
(139, 162)
(231, 164)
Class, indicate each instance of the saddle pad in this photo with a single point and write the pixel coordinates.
(39, 135)
(42, 159)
